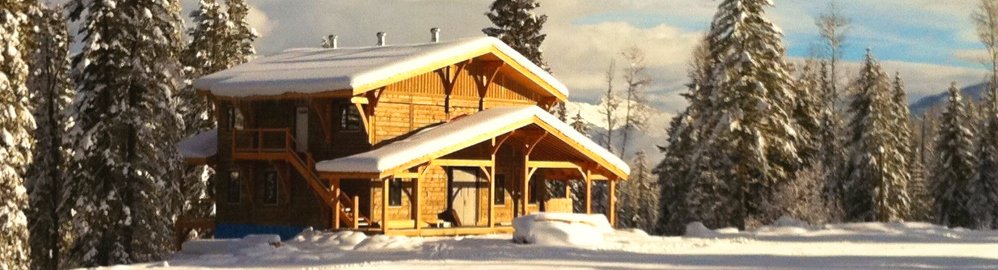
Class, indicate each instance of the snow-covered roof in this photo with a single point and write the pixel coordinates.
(200, 146)
(459, 134)
(315, 70)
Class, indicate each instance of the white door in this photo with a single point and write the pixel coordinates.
(301, 130)
(465, 189)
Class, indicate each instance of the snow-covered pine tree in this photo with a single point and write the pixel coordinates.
(955, 165)
(983, 186)
(16, 142)
(802, 197)
(242, 36)
(51, 93)
(677, 188)
(125, 164)
(832, 155)
(639, 196)
(877, 172)
(748, 137)
(516, 24)
(206, 53)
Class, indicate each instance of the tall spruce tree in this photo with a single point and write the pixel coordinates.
(955, 165)
(829, 137)
(208, 52)
(242, 35)
(983, 186)
(516, 24)
(16, 127)
(125, 164)
(639, 196)
(877, 172)
(748, 137)
(51, 93)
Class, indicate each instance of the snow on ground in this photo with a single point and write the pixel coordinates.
(788, 244)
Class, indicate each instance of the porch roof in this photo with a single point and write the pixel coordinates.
(443, 139)
(200, 146)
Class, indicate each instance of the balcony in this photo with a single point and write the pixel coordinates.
(262, 144)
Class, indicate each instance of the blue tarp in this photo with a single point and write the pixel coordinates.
(242, 230)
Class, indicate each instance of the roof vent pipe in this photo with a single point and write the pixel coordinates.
(435, 35)
(381, 38)
(331, 42)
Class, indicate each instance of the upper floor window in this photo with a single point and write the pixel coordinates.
(235, 118)
(234, 186)
(270, 187)
(395, 192)
(350, 118)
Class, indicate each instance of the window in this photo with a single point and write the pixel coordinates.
(234, 186)
(500, 191)
(395, 192)
(350, 118)
(270, 187)
(235, 118)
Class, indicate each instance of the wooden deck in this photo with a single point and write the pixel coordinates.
(455, 231)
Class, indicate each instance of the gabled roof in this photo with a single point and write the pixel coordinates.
(361, 69)
(464, 132)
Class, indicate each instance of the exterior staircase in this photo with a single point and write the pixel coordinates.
(261, 144)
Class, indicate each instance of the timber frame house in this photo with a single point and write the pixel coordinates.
(441, 138)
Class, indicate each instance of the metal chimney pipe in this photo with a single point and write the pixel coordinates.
(435, 35)
(332, 41)
(381, 38)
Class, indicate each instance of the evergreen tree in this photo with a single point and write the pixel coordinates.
(802, 197)
(828, 137)
(955, 165)
(982, 204)
(748, 139)
(16, 143)
(207, 53)
(242, 34)
(125, 164)
(51, 93)
(877, 171)
(579, 124)
(516, 24)
(639, 197)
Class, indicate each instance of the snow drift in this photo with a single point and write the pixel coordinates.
(561, 229)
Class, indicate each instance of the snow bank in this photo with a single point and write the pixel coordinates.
(310, 239)
(561, 229)
(231, 246)
(697, 229)
(384, 242)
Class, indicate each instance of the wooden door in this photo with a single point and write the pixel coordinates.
(464, 189)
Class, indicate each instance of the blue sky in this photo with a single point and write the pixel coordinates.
(930, 42)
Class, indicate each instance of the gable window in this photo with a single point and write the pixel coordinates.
(350, 118)
(235, 187)
(270, 187)
(395, 192)
(500, 191)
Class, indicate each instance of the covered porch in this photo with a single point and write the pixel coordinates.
(471, 175)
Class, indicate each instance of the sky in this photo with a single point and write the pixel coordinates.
(929, 42)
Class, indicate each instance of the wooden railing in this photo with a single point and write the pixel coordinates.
(265, 142)
(262, 140)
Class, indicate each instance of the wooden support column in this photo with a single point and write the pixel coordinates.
(525, 197)
(485, 79)
(448, 75)
(384, 205)
(417, 182)
(589, 191)
(613, 202)
(335, 187)
(415, 203)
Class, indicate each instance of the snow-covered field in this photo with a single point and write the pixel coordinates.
(786, 245)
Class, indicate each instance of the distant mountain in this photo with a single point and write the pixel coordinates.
(922, 105)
